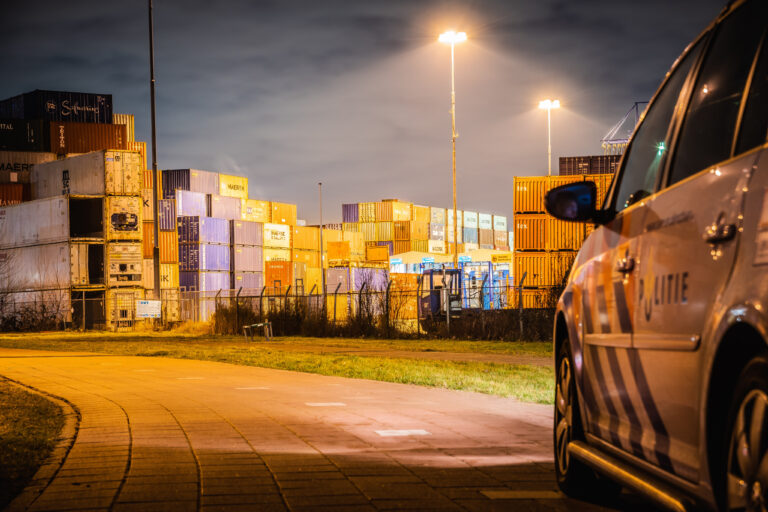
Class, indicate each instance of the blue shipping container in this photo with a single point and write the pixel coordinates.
(78, 107)
(247, 233)
(250, 282)
(166, 209)
(205, 257)
(350, 212)
(191, 204)
(207, 230)
(470, 235)
(204, 281)
(193, 180)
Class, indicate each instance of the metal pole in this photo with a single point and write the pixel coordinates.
(549, 142)
(83, 322)
(453, 148)
(520, 303)
(322, 266)
(155, 228)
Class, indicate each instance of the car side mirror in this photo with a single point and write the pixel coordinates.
(575, 202)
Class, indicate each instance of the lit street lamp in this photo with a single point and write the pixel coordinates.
(452, 38)
(548, 105)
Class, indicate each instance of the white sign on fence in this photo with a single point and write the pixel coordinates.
(148, 308)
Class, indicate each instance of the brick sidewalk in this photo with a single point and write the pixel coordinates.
(167, 434)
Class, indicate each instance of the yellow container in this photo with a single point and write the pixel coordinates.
(351, 226)
(530, 231)
(128, 121)
(313, 279)
(562, 235)
(420, 245)
(283, 213)
(367, 212)
(233, 186)
(401, 211)
(421, 214)
(338, 251)
(603, 182)
(306, 238)
(255, 210)
(377, 253)
(120, 306)
(384, 231)
(309, 258)
(277, 235)
(529, 191)
(277, 254)
(369, 231)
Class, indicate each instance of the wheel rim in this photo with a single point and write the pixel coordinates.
(747, 478)
(563, 414)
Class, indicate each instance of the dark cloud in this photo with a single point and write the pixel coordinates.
(356, 94)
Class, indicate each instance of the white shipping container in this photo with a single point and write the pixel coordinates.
(512, 241)
(98, 173)
(123, 218)
(470, 220)
(124, 267)
(459, 219)
(436, 247)
(22, 161)
(277, 235)
(120, 306)
(449, 234)
(499, 223)
(485, 221)
(34, 222)
(51, 266)
(470, 247)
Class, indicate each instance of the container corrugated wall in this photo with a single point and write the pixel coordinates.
(204, 257)
(247, 258)
(193, 180)
(192, 204)
(306, 238)
(530, 231)
(277, 235)
(421, 214)
(437, 215)
(130, 124)
(14, 193)
(529, 191)
(377, 253)
(166, 209)
(67, 137)
(384, 231)
(59, 106)
(96, 173)
(255, 210)
(247, 233)
(233, 186)
(208, 230)
(562, 235)
(224, 207)
(204, 281)
(278, 275)
(283, 213)
(309, 258)
(470, 235)
(485, 221)
(367, 212)
(23, 135)
(350, 212)
(470, 220)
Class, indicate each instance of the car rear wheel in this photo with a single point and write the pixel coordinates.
(747, 455)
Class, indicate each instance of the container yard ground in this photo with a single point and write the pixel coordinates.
(170, 434)
(509, 369)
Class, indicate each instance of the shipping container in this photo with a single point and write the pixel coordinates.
(52, 266)
(224, 207)
(437, 232)
(192, 180)
(603, 183)
(59, 106)
(437, 215)
(471, 246)
(350, 212)
(351, 227)
(367, 212)
(500, 239)
(283, 213)
(390, 210)
(485, 237)
(499, 223)
(420, 245)
(120, 306)
(338, 251)
(368, 230)
(204, 281)
(449, 234)
(204, 257)
(529, 191)
(129, 122)
(562, 235)
(278, 276)
(450, 248)
(511, 240)
(401, 246)
(255, 210)
(169, 275)
(140, 148)
(485, 221)
(271, 254)
(377, 253)
(530, 231)
(277, 235)
(470, 220)
(147, 206)
(389, 245)
(167, 214)
(247, 258)
(67, 137)
(384, 231)
(470, 235)
(543, 268)
(169, 247)
(306, 238)
(401, 230)
(23, 135)
(594, 164)
(147, 239)
(251, 283)
(233, 186)
(123, 218)
(309, 258)
(299, 274)
(337, 280)
(191, 204)
(247, 233)
(436, 247)
(374, 279)
(17, 165)
(421, 214)
(98, 173)
(449, 218)
(123, 264)
(313, 280)
(14, 193)
(206, 230)
(331, 235)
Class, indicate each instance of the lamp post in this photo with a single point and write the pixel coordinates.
(322, 260)
(452, 38)
(548, 105)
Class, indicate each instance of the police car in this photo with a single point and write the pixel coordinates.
(661, 336)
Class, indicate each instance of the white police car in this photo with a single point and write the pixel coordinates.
(661, 336)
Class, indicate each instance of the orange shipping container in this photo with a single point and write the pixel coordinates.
(562, 235)
(306, 238)
(402, 230)
(309, 258)
(529, 191)
(283, 213)
(147, 240)
(255, 210)
(543, 268)
(501, 239)
(530, 231)
(69, 137)
(338, 251)
(377, 253)
(277, 275)
(401, 246)
(169, 247)
(603, 182)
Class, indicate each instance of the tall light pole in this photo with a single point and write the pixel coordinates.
(155, 177)
(548, 105)
(451, 37)
(322, 267)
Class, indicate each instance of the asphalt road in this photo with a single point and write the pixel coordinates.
(166, 434)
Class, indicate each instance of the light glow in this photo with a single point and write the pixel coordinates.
(549, 104)
(452, 37)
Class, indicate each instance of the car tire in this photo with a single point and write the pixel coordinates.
(745, 481)
(574, 478)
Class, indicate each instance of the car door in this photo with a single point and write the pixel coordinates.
(607, 282)
(689, 241)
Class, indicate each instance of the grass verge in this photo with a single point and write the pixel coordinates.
(526, 382)
(29, 428)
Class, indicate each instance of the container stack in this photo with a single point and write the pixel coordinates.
(545, 247)
(595, 164)
(247, 256)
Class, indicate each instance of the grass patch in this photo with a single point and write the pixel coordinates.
(29, 428)
(525, 382)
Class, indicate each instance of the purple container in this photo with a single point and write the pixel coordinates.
(224, 207)
(375, 279)
(250, 282)
(166, 209)
(437, 232)
(193, 180)
(470, 235)
(191, 204)
(247, 258)
(247, 233)
(205, 230)
(350, 212)
(388, 245)
(204, 257)
(336, 276)
(204, 281)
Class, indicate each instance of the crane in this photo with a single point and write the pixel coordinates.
(615, 141)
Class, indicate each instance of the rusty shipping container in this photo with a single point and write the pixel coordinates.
(14, 193)
(97, 173)
(66, 137)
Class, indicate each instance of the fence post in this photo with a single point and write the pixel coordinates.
(237, 310)
(335, 301)
(446, 300)
(215, 310)
(419, 283)
(386, 303)
(261, 301)
(520, 303)
(482, 292)
(360, 301)
(83, 321)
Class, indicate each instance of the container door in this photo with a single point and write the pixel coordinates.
(78, 260)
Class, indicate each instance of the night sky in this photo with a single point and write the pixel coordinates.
(356, 94)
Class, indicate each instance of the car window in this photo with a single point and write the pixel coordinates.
(707, 132)
(648, 148)
(754, 123)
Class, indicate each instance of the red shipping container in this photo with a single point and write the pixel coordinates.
(13, 193)
(86, 137)
(277, 276)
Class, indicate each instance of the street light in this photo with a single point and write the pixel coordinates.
(452, 38)
(548, 105)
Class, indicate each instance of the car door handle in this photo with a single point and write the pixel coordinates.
(719, 233)
(625, 265)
